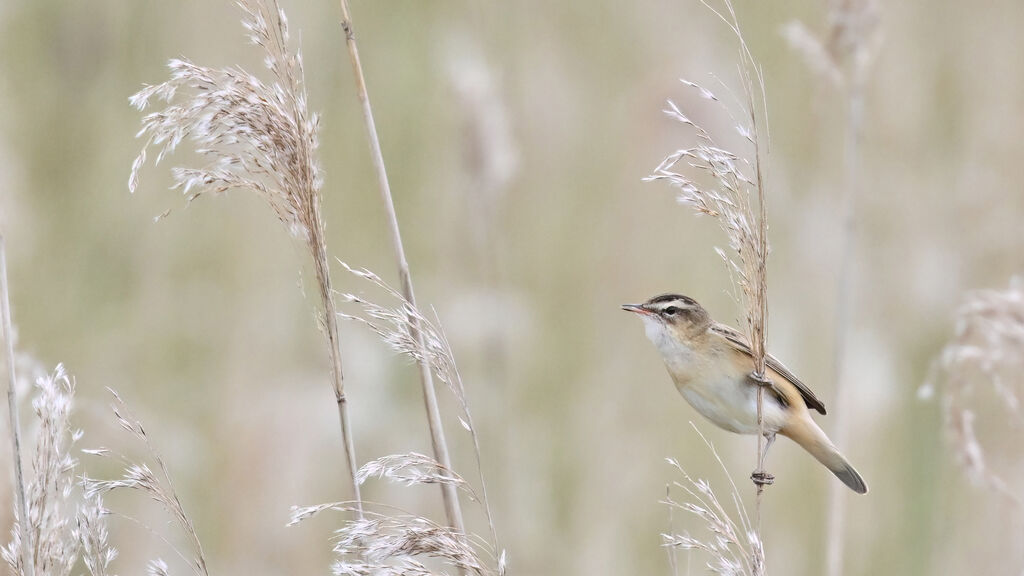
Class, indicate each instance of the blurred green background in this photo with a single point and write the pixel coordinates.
(516, 134)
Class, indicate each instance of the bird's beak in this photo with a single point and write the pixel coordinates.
(636, 308)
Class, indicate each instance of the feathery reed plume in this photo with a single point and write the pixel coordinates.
(410, 469)
(156, 485)
(843, 59)
(440, 446)
(734, 546)
(45, 537)
(21, 500)
(980, 368)
(259, 137)
(390, 544)
(725, 186)
(382, 544)
(408, 331)
(97, 552)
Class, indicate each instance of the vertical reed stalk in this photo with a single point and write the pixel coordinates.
(729, 197)
(843, 58)
(844, 305)
(12, 404)
(440, 446)
(323, 274)
(259, 137)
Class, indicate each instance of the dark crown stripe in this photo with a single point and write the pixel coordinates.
(671, 298)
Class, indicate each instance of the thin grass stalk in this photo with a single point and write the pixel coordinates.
(844, 306)
(757, 294)
(12, 404)
(843, 59)
(323, 274)
(453, 510)
(260, 137)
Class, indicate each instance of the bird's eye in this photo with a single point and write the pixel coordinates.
(671, 311)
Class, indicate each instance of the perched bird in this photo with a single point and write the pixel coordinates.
(711, 365)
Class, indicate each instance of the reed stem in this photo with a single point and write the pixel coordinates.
(844, 306)
(12, 404)
(453, 510)
(323, 275)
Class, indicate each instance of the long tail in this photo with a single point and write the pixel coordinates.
(807, 434)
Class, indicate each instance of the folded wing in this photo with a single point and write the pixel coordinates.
(739, 342)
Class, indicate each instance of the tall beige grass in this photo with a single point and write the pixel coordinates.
(44, 540)
(390, 541)
(23, 534)
(731, 188)
(436, 427)
(258, 137)
(139, 476)
(731, 541)
(59, 524)
(842, 59)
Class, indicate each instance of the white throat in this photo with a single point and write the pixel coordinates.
(678, 357)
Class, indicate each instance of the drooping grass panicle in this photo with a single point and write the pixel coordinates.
(52, 545)
(257, 136)
(729, 186)
(411, 469)
(404, 328)
(731, 542)
(391, 543)
(158, 486)
(980, 370)
(395, 543)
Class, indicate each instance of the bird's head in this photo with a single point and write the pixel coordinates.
(671, 320)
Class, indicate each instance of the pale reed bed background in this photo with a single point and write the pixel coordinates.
(516, 136)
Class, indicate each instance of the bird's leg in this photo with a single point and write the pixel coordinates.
(770, 437)
(761, 477)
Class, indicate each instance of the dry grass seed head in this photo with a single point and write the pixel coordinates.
(411, 469)
(390, 543)
(394, 326)
(733, 545)
(730, 187)
(97, 552)
(51, 525)
(255, 135)
(980, 371)
(141, 478)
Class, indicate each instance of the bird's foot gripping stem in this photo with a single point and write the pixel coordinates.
(762, 478)
(760, 379)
